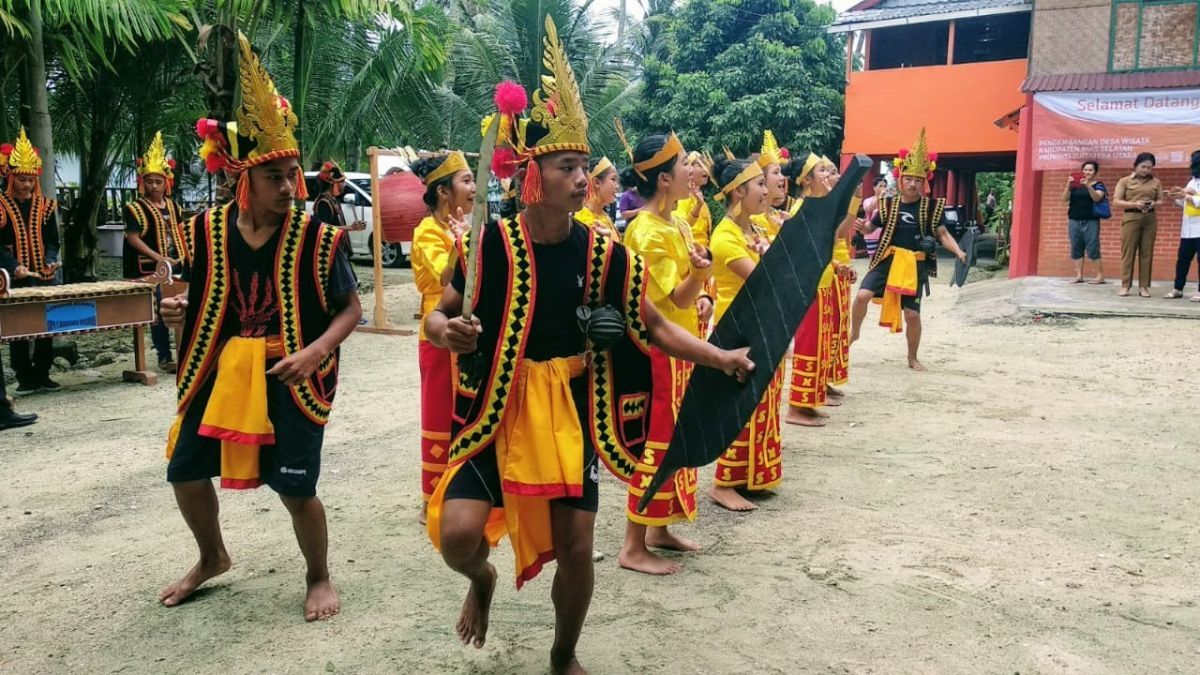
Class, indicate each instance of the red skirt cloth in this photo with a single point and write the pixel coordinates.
(755, 460)
(812, 352)
(676, 501)
(840, 354)
(437, 404)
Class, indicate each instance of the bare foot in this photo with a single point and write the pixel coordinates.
(567, 667)
(322, 601)
(173, 595)
(916, 365)
(834, 392)
(424, 517)
(804, 417)
(728, 498)
(661, 537)
(639, 559)
(832, 402)
(473, 622)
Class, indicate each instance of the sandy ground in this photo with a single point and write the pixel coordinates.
(1027, 506)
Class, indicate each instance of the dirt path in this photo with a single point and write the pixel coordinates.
(1027, 506)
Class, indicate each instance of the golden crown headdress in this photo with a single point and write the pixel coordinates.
(557, 105)
(916, 161)
(24, 158)
(265, 128)
(770, 153)
(156, 162)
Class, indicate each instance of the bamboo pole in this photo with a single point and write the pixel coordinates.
(381, 317)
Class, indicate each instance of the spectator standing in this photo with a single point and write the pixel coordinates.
(870, 207)
(1083, 223)
(630, 202)
(1188, 197)
(1138, 195)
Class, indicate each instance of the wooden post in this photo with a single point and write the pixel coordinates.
(381, 317)
(950, 46)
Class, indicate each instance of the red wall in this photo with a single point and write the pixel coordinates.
(1054, 252)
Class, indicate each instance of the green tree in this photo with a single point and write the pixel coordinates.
(736, 67)
(503, 40)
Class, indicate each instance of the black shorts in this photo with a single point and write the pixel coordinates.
(291, 467)
(876, 281)
(479, 477)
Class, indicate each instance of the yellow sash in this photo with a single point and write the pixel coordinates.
(901, 281)
(539, 454)
(236, 412)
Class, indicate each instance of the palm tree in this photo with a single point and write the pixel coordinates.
(504, 41)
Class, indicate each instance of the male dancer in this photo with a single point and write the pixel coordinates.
(29, 230)
(523, 462)
(901, 267)
(271, 297)
(155, 232)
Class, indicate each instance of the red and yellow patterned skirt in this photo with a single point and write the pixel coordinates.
(676, 501)
(437, 404)
(840, 354)
(755, 460)
(813, 351)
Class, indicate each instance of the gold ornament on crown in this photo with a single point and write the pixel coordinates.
(24, 159)
(770, 150)
(264, 116)
(155, 160)
(917, 161)
(557, 105)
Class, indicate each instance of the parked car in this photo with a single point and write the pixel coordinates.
(399, 219)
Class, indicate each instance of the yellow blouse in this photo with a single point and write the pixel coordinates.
(592, 219)
(729, 244)
(770, 222)
(702, 225)
(431, 248)
(664, 252)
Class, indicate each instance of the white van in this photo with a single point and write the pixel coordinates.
(356, 205)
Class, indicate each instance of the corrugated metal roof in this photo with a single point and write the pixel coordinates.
(890, 10)
(1174, 79)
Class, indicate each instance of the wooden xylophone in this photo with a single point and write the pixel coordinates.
(75, 309)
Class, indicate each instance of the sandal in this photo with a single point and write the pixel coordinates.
(1124, 292)
(1173, 295)
(1096, 282)
(1077, 280)
(1196, 297)
(1144, 292)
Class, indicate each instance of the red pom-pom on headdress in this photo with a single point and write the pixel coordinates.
(510, 98)
(785, 153)
(904, 153)
(6, 149)
(933, 156)
(202, 128)
(214, 162)
(171, 163)
(504, 163)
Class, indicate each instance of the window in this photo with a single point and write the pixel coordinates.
(922, 44)
(1001, 37)
(1153, 35)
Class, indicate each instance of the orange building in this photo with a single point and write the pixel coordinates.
(952, 67)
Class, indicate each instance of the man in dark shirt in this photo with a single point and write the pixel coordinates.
(29, 230)
(327, 207)
(534, 272)
(9, 418)
(271, 297)
(900, 269)
(154, 232)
